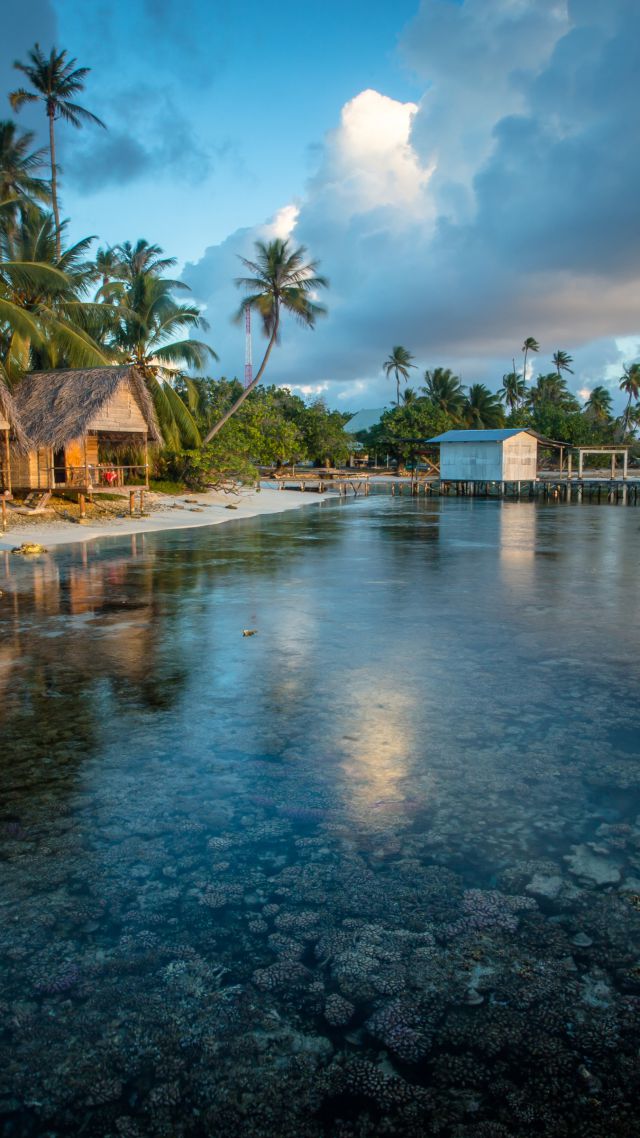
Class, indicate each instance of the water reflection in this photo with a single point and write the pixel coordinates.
(372, 870)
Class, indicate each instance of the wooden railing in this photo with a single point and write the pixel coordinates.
(99, 476)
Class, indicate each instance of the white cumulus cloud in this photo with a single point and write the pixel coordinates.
(503, 204)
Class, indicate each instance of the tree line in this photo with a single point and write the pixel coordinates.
(546, 405)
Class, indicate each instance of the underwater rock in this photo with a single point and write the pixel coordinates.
(283, 976)
(581, 940)
(597, 869)
(393, 1025)
(337, 1010)
(29, 548)
(545, 885)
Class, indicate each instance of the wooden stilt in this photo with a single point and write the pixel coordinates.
(132, 499)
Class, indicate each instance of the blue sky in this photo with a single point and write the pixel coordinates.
(466, 171)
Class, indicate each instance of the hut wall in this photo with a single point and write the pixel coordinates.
(471, 462)
(519, 458)
(120, 413)
(92, 449)
(30, 471)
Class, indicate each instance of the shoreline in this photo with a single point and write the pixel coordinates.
(179, 512)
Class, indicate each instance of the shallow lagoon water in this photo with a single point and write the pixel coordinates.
(374, 870)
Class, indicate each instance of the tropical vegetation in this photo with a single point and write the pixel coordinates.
(398, 364)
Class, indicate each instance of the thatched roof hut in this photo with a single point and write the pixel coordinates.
(9, 419)
(56, 407)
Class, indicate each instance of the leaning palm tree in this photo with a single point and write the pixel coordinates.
(598, 405)
(562, 361)
(19, 166)
(630, 384)
(513, 390)
(54, 81)
(444, 390)
(482, 408)
(398, 363)
(282, 282)
(530, 345)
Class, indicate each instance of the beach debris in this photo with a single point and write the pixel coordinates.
(249, 631)
(29, 548)
(230, 507)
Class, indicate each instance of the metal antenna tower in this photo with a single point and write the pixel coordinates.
(248, 365)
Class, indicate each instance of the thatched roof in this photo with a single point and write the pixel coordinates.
(56, 407)
(8, 412)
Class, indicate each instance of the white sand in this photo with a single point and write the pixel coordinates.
(183, 512)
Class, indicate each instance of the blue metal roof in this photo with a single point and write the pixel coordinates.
(486, 436)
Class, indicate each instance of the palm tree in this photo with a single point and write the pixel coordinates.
(409, 395)
(444, 390)
(513, 390)
(18, 169)
(142, 258)
(399, 363)
(530, 345)
(630, 384)
(598, 405)
(45, 320)
(562, 361)
(281, 281)
(482, 408)
(54, 81)
(552, 388)
(145, 321)
(107, 265)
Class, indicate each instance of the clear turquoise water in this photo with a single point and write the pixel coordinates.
(374, 870)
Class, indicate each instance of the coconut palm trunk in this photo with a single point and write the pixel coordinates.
(247, 391)
(54, 183)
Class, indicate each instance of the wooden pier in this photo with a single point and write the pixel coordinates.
(549, 486)
(319, 481)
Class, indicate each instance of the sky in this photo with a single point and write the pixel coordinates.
(465, 171)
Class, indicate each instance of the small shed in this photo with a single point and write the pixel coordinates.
(77, 423)
(508, 455)
(12, 437)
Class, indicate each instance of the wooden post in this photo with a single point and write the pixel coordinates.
(613, 464)
(580, 461)
(146, 461)
(141, 502)
(4, 513)
(82, 505)
(7, 450)
(132, 498)
(625, 463)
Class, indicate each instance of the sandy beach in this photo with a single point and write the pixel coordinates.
(185, 511)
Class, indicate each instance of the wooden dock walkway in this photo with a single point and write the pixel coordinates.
(549, 486)
(319, 481)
